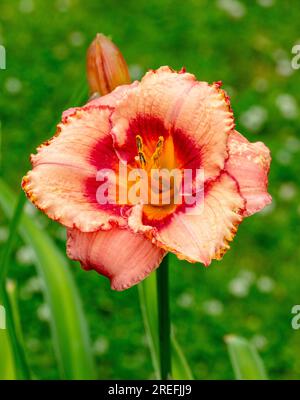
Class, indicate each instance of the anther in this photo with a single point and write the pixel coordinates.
(142, 158)
(139, 142)
(157, 153)
(141, 155)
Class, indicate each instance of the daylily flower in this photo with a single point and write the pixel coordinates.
(168, 119)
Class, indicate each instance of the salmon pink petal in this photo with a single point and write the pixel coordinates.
(249, 164)
(124, 257)
(167, 103)
(110, 100)
(62, 167)
(202, 233)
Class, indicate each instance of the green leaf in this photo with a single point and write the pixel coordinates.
(10, 366)
(7, 365)
(180, 367)
(245, 360)
(148, 299)
(68, 324)
(13, 333)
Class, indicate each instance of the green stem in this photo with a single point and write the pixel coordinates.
(164, 323)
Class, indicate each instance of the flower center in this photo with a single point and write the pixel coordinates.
(154, 161)
(158, 163)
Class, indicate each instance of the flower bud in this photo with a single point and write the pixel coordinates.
(106, 67)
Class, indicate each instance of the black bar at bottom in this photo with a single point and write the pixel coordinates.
(146, 389)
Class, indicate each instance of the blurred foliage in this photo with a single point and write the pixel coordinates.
(245, 44)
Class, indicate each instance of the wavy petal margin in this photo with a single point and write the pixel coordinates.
(249, 164)
(63, 165)
(124, 257)
(197, 115)
(203, 233)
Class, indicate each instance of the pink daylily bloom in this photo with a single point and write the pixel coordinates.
(168, 120)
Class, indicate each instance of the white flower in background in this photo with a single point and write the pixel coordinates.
(284, 67)
(234, 8)
(259, 341)
(26, 6)
(43, 312)
(100, 346)
(185, 300)
(76, 39)
(287, 105)
(213, 307)
(287, 191)
(13, 85)
(254, 118)
(240, 285)
(265, 284)
(265, 3)
(25, 255)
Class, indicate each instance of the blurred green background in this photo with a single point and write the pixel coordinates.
(247, 45)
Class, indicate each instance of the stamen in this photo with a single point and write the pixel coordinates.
(142, 158)
(141, 155)
(158, 150)
(139, 142)
(154, 162)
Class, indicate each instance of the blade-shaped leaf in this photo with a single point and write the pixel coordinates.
(68, 324)
(7, 366)
(11, 367)
(245, 360)
(13, 333)
(180, 367)
(148, 299)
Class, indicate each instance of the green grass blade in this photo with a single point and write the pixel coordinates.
(10, 368)
(148, 300)
(7, 364)
(245, 360)
(12, 334)
(68, 324)
(13, 227)
(11, 290)
(13, 340)
(180, 367)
